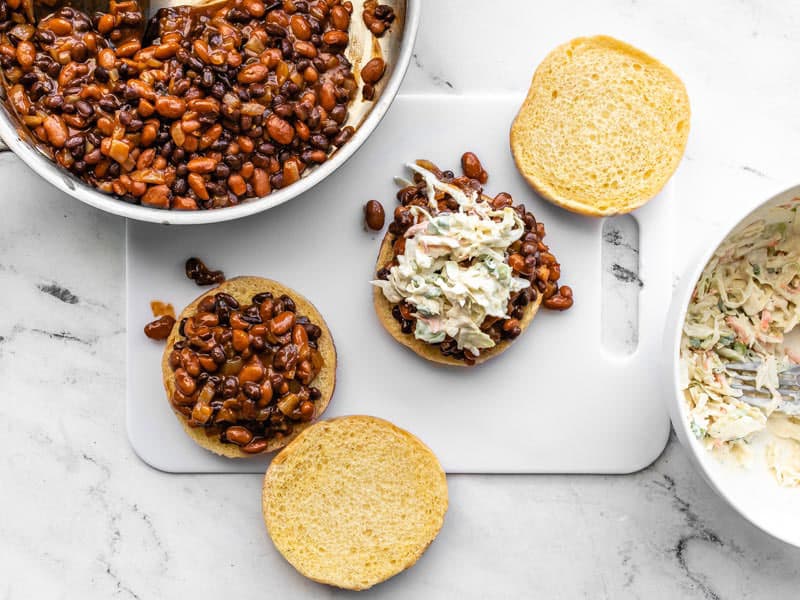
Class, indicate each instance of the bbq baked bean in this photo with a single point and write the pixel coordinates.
(511, 327)
(197, 271)
(256, 446)
(561, 300)
(373, 71)
(307, 410)
(529, 257)
(241, 436)
(240, 81)
(368, 92)
(253, 381)
(340, 18)
(299, 335)
(185, 382)
(374, 215)
(472, 167)
(171, 107)
(282, 323)
(160, 328)
(377, 17)
(335, 38)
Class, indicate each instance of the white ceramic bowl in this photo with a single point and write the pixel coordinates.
(398, 51)
(753, 492)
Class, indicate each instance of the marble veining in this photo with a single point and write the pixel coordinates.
(624, 275)
(56, 291)
(82, 517)
(435, 78)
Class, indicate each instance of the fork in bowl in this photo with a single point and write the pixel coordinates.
(744, 376)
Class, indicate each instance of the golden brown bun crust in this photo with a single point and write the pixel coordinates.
(243, 289)
(383, 308)
(353, 501)
(603, 127)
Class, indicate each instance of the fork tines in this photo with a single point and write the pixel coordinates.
(788, 388)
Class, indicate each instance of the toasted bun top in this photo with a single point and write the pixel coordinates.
(603, 128)
(243, 289)
(353, 501)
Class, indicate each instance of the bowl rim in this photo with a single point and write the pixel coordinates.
(699, 456)
(76, 188)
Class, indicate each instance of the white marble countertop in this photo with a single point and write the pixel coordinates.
(82, 517)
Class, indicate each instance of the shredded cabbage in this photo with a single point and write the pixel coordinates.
(746, 301)
(453, 271)
(783, 458)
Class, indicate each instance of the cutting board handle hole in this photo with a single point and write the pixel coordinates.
(621, 285)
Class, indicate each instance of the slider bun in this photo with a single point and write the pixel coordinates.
(354, 501)
(603, 128)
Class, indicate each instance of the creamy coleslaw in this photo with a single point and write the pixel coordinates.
(746, 302)
(453, 271)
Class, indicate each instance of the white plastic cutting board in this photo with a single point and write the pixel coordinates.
(555, 402)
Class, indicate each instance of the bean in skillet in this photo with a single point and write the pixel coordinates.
(377, 17)
(371, 73)
(373, 70)
(220, 104)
